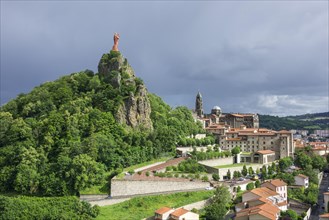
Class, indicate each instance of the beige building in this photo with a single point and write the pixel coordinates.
(258, 139)
(262, 211)
(261, 203)
(166, 213)
(277, 186)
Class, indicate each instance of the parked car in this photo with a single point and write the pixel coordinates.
(209, 188)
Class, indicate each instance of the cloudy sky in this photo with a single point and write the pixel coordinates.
(245, 56)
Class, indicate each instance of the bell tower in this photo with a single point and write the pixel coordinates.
(198, 105)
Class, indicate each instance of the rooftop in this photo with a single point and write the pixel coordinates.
(263, 192)
(179, 212)
(276, 182)
(265, 152)
(163, 210)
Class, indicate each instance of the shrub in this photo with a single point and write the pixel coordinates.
(139, 172)
(176, 175)
(147, 173)
(23, 207)
(205, 178)
(131, 172)
(215, 177)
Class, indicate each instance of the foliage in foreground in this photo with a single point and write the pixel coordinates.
(23, 207)
(142, 207)
(219, 205)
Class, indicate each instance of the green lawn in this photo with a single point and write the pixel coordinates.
(236, 165)
(103, 188)
(142, 207)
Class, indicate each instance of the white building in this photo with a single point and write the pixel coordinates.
(302, 180)
(277, 186)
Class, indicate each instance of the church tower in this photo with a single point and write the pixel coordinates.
(198, 105)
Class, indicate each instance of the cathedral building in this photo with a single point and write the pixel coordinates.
(237, 129)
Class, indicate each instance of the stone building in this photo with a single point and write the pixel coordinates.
(218, 117)
(254, 140)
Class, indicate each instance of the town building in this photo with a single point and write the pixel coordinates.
(321, 133)
(277, 186)
(267, 194)
(301, 180)
(166, 213)
(236, 129)
(258, 139)
(256, 211)
(265, 202)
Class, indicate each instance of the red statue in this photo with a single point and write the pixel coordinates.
(116, 42)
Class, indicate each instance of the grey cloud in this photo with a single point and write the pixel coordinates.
(238, 54)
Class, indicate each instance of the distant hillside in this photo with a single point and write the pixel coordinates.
(303, 122)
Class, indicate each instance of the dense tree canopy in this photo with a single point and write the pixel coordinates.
(63, 136)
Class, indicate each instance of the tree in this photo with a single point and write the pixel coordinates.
(257, 183)
(318, 162)
(250, 171)
(235, 174)
(244, 170)
(312, 174)
(219, 204)
(85, 172)
(215, 177)
(289, 214)
(284, 163)
(264, 172)
(250, 186)
(287, 178)
(302, 160)
(228, 174)
(236, 150)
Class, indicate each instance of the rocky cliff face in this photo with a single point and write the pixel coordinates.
(136, 109)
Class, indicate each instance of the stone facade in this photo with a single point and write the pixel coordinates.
(253, 140)
(141, 187)
(217, 162)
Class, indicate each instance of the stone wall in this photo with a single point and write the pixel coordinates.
(217, 162)
(140, 187)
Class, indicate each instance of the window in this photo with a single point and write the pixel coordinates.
(264, 142)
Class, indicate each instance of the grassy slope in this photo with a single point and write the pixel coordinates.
(142, 207)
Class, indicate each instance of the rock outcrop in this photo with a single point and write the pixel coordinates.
(135, 110)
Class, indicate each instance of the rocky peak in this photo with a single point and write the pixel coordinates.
(135, 110)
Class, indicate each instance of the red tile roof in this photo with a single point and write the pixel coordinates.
(276, 182)
(179, 212)
(263, 192)
(269, 211)
(163, 210)
(303, 176)
(265, 152)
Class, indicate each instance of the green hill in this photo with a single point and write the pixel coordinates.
(64, 135)
(303, 122)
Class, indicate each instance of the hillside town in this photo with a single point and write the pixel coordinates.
(269, 174)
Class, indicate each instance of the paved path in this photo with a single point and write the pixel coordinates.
(105, 202)
(319, 209)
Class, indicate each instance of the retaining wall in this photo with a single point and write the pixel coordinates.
(140, 187)
(217, 162)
